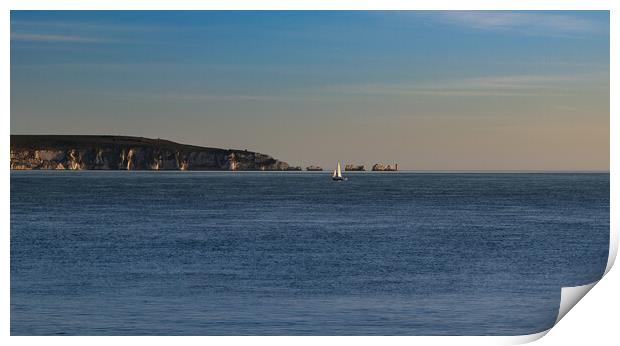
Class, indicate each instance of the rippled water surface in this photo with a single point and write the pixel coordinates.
(219, 253)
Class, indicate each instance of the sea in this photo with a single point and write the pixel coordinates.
(295, 253)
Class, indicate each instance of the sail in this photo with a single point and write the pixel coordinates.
(338, 172)
(334, 175)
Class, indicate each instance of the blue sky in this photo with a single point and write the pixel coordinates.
(429, 90)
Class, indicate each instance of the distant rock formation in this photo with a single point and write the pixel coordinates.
(350, 167)
(294, 168)
(130, 153)
(380, 167)
(314, 168)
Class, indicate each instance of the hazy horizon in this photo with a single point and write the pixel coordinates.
(431, 91)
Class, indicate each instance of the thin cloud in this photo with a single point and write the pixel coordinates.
(530, 22)
(74, 32)
(30, 37)
(224, 97)
(84, 26)
(163, 95)
(502, 85)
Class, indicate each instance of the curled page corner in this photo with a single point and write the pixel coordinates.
(523, 339)
(570, 297)
(613, 250)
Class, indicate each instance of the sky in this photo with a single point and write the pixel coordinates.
(459, 90)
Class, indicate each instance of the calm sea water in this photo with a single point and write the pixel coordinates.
(294, 253)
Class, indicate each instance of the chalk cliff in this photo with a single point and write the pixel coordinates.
(383, 168)
(351, 167)
(129, 153)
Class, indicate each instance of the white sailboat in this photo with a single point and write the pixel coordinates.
(337, 173)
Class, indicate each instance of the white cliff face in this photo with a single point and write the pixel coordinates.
(381, 167)
(118, 153)
(134, 158)
(165, 160)
(102, 161)
(122, 164)
(49, 155)
(140, 159)
(75, 161)
(232, 162)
